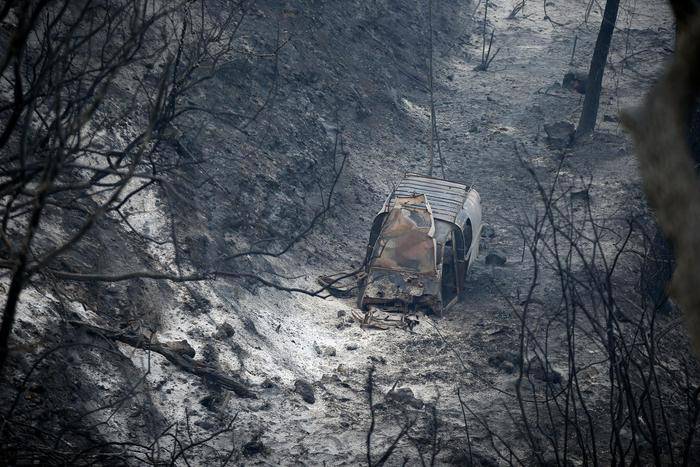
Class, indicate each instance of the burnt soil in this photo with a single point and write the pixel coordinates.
(357, 69)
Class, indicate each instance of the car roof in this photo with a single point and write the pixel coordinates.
(446, 198)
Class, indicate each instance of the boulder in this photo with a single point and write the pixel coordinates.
(253, 447)
(505, 361)
(560, 135)
(537, 370)
(404, 396)
(224, 330)
(305, 390)
(495, 258)
(324, 350)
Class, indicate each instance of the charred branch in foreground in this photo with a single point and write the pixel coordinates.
(178, 358)
(613, 338)
(63, 149)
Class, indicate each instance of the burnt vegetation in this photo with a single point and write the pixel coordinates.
(154, 156)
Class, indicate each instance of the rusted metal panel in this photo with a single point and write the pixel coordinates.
(403, 267)
(406, 241)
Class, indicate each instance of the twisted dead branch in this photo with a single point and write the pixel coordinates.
(181, 360)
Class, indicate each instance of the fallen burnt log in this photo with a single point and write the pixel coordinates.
(179, 355)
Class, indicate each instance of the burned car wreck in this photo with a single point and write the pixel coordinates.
(422, 244)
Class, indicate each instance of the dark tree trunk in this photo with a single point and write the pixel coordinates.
(589, 113)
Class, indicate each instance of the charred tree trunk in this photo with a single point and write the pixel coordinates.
(586, 123)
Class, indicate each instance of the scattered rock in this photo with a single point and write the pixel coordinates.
(580, 195)
(182, 347)
(610, 118)
(495, 258)
(210, 402)
(505, 361)
(253, 448)
(324, 350)
(210, 354)
(560, 135)
(379, 359)
(341, 313)
(305, 390)
(404, 396)
(205, 425)
(268, 384)
(535, 368)
(351, 347)
(224, 330)
(487, 231)
(575, 81)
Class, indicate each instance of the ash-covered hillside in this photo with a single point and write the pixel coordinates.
(177, 175)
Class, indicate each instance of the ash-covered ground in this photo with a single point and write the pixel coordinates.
(355, 72)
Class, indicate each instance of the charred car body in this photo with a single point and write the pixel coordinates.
(422, 244)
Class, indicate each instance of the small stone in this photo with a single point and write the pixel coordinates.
(610, 118)
(324, 350)
(495, 258)
(380, 360)
(487, 231)
(224, 330)
(182, 347)
(405, 396)
(268, 384)
(204, 424)
(341, 313)
(536, 369)
(351, 347)
(582, 195)
(305, 390)
(209, 402)
(560, 135)
(253, 447)
(505, 361)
